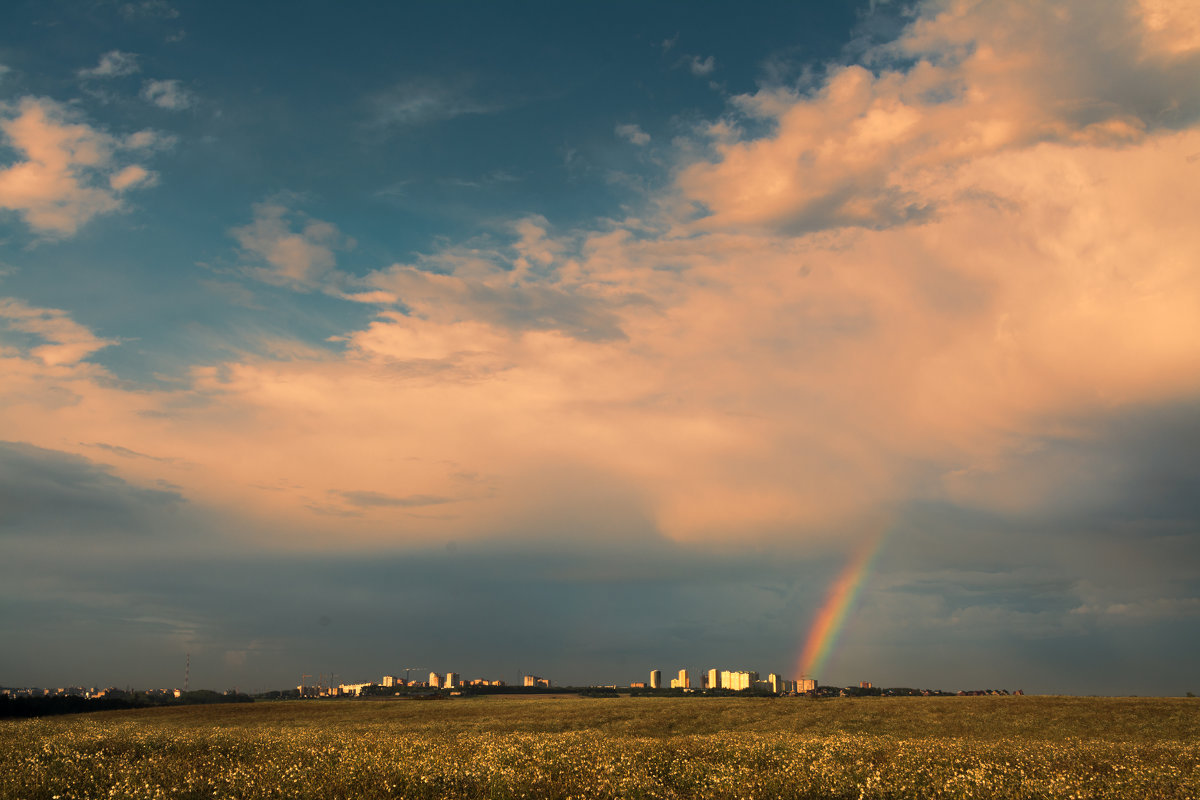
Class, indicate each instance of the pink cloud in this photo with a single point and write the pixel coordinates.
(299, 258)
(859, 150)
(1170, 26)
(69, 171)
(64, 341)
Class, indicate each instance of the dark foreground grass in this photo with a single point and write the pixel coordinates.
(559, 747)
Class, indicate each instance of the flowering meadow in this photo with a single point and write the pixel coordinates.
(628, 748)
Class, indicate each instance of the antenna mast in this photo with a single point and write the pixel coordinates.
(187, 672)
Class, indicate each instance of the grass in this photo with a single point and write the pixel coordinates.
(559, 747)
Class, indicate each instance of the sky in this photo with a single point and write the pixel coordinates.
(852, 339)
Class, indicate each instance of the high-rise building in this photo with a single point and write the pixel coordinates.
(737, 681)
(776, 683)
(714, 679)
(685, 680)
(389, 680)
(656, 679)
(806, 685)
(452, 680)
(435, 680)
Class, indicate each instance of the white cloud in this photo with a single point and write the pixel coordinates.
(425, 101)
(634, 134)
(69, 171)
(701, 67)
(167, 94)
(149, 9)
(113, 64)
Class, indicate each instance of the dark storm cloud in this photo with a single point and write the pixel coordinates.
(1154, 456)
(55, 493)
(576, 616)
(1104, 570)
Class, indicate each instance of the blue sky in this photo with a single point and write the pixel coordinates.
(410, 127)
(584, 340)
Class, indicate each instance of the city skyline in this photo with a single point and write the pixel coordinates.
(329, 685)
(858, 339)
(322, 683)
(334, 684)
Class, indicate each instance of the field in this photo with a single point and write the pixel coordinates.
(569, 747)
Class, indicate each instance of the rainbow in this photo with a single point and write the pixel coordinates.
(827, 624)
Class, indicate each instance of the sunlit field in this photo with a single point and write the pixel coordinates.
(569, 747)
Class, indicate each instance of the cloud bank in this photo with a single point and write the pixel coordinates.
(908, 279)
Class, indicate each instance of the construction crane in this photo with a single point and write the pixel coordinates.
(407, 670)
(303, 675)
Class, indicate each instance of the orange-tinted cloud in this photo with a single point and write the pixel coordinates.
(294, 258)
(62, 340)
(862, 148)
(68, 171)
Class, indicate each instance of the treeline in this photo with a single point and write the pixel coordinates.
(48, 706)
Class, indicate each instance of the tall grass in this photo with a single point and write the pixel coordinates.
(629, 748)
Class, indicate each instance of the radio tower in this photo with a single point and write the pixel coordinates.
(187, 671)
